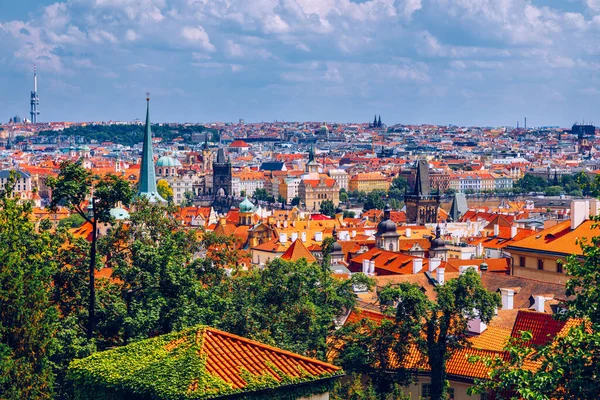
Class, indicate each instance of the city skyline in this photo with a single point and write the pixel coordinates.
(475, 63)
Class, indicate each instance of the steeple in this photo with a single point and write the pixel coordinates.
(147, 184)
(422, 187)
(311, 154)
(221, 156)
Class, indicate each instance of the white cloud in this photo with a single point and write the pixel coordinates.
(131, 35)
(198, 37)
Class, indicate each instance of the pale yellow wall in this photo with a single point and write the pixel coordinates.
(531, 271)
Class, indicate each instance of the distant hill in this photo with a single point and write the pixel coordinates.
(131, 134)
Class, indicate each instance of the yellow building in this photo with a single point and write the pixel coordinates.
(369, 181)
(539, 256)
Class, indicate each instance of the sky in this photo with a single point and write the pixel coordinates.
(463, 62)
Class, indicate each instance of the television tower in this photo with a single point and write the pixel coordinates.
(35, 100)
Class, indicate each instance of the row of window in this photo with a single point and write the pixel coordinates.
(540, 264)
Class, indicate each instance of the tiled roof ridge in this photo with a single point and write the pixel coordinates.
(208, 329)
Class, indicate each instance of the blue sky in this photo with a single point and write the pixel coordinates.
(467, 62)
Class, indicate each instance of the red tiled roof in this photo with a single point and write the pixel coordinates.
(542, 326)
(227, 355)
(297, 251)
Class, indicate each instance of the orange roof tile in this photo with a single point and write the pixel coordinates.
(297, 251)
(558, 239)
(542, 326)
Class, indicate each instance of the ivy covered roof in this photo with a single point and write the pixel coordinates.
(197, 363)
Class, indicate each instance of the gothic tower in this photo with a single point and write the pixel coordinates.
(222, 175)
(422, 205)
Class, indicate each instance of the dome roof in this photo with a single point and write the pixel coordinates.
(246, 205)
(386, 226)
(119, 214)
(337, 247)
(438, 243)
(167, 161)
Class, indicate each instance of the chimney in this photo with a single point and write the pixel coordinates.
(476, 325)
(365, 266)
(513, 231)
(464, 268)
(372, 267)
(285, 224)
(594, 207)
(507, 298)
(434, 263)
(538, 304)
(318, 236)
(417, 265)
(579, 212)
(408, 232)
(303, 236)
(496, 229)
(353, 233)
(439, 275)
(278, 224)
(283, 238)
(294, 236)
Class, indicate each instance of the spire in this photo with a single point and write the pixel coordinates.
(422, 187)
(379, 121)
(221, 156)
(311, 154)
(375, 121)
(147, 184)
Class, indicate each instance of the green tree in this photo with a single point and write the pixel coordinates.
(71, 188)
(164, 190)
(281, 199)
(375, 200)
(439, 327)
(298, 318)
(531, 183)
(568, 367)
(296, 201)
(343, 196)
(162, 280)
(399, 183)
(349, 214)
(327, 208)
(450, 192)
(261, 194)
(72, 221)
(27, 319)
(188, 199)
(553, 191)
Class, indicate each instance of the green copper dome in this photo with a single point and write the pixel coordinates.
(167, 161)
(246, 205)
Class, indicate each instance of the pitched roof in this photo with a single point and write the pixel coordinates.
(542, 326)
(297, 251)
(558, 239)
(199, 362)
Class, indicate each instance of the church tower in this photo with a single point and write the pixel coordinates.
(422, 205)
(312, 167)
(387, 236)
(222, 175)
(147, 182)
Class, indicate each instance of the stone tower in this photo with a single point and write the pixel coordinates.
(221, 175)
(422, 205)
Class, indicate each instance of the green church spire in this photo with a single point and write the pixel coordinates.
(147, 183)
